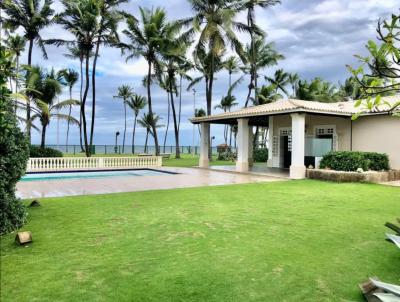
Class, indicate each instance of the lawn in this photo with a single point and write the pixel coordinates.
(283, 241)
(186, 160)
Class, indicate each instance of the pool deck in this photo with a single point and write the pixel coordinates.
(187, 178)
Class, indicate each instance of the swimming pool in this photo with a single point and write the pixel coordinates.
(91, 174)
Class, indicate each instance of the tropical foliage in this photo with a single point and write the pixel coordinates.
(378, 74)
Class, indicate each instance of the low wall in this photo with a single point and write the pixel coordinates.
(90, 163)
(342, 176)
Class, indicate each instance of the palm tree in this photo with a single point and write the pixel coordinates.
(125, 92)
(76, 52)
(163, 85)
(70, 77)
(149, 122)
(280, 80)
(214, 21)
(107, 35)
(136, 103)
(267, 94)
(145, 39)
(255, 33)
(318, 90)
(81, 19)
(293, 80)
(45, 87)
(182, 71)
(264, 55)
(32, 16)
(16, 44)
(226, 104)
(231, 64)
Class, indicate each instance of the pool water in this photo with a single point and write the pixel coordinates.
(91, 174)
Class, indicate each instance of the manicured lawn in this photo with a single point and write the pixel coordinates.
(186, 160)
(283, 241)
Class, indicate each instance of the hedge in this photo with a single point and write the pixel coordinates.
(352, 161)
(35, 151)
(260, 155)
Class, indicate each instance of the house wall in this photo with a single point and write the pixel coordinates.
(378, 134)
(342, 125)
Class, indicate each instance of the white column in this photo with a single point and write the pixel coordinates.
(251, 138)
(270, 140)
(297, 168)
(242, 163)
(204, 145)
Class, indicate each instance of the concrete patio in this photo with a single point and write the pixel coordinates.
(257, 169)
(186, 178)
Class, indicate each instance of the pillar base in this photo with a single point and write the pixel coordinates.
(270, 163)
(242, 166)
(297, 172)
(204, 163)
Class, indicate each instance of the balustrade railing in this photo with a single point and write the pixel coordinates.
(91, 163)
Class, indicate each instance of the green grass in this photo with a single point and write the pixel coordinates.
(283, 241)
(186, 160)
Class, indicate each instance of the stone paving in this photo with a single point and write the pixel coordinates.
(186, 178)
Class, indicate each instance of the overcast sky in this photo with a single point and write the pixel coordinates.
(318, 38)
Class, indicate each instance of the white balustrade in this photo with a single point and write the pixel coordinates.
(92, 163)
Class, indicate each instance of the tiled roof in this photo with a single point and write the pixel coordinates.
(290, 106)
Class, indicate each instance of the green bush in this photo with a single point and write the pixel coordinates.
(14, 154)
(36, 151)
(228, 155)
(351, 161)
(260, 155)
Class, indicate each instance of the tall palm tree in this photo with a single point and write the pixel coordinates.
(70, 77)
(184, 67)
(294, 80)
(76, 52)
(81, 19)
(318, 90)
(215, 24)
(280, 80)
(255, 33)
(136, 103)
(145, 39)
(173, 53)
(106, 35)
(45, 87)
(16, 44)
(264, 55)
(149, 121)
(32, 16)
(125, 92)
(164, 85)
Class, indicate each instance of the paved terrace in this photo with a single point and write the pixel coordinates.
(187, 178)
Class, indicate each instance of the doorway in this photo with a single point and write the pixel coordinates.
(286, 151)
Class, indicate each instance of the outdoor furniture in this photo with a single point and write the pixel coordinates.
(375, 291)
(394, 238)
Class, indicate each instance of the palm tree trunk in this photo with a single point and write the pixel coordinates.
(80, 113)
(177, 149)
(133, 135)
(123, 141)
(43, 141)
(250, 87)
(69, 116)
(94, 93)
(150, 107)
(180, 103)
(85, 93)
(28, 102)
(166, 130)
(145, 144)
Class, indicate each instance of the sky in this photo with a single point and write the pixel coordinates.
(317, 38)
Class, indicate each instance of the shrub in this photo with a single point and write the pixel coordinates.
(36, 151)
(351, 161)
(260, 155)
(14, 154)
(228, 155)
